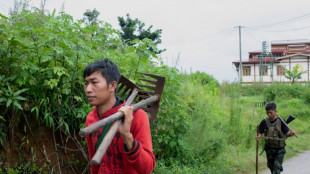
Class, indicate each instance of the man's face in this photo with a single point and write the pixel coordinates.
(271, 114)
(97, 90)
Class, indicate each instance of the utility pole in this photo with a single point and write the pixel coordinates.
(240, 64)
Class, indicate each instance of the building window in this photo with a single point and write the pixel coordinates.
(280, 70)
(263, 70)
(276, 55)
(246, 70)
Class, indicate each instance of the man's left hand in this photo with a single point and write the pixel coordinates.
(124, 128)
(291, 133)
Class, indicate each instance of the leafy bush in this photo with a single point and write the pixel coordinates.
(22, 168)
(2, 132)
(306, 95)
(270, 94)
(279, 91)
(173, 120)
(50, 52)
(252, 90)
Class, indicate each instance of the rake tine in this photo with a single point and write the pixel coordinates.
(147, 92)
(149, 87)
(143, 96)
(150, 75)
(125, 91)
(150, 109)
(150, 81)
(121, 87)
(157, 89)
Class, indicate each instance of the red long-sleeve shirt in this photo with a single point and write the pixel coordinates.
(140, 159)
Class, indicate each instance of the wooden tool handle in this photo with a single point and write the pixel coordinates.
(257, 143)
(96, 160)
(285, 124)
(99, 124)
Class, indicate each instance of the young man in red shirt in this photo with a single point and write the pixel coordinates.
(131, 149)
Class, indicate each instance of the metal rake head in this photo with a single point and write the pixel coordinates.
(151, 85)
(260, 104)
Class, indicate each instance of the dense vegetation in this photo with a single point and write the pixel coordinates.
(202, 127)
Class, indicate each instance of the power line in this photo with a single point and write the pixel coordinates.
(247, 32)
(228, 30)
(293, 29)
(282, 22)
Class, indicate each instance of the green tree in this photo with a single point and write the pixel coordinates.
(91, 17)
(132, 29)
(294, 74)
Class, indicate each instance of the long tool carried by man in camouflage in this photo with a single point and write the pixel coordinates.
(275, 131)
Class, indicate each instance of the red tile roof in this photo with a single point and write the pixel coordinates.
(257, 60)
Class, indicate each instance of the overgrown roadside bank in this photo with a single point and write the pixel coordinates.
(202, 126)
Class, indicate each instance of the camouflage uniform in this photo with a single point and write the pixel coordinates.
(274, 143)
(275, 159)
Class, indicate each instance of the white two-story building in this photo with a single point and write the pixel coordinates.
(267, 66)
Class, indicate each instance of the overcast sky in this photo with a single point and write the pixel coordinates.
(203, 33)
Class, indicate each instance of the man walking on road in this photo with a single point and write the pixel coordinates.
(275, 134)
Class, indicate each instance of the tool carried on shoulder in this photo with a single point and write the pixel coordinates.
(290, 119)
(145, 96)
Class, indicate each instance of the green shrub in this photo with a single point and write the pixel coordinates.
(277, 91)
(306, 96)
(270, 93)
(252, 90)
(22, 168)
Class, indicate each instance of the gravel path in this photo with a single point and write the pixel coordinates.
(296, 165)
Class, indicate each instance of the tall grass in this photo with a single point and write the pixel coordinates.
(223, 126)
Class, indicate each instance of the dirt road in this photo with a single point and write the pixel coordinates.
(299, 165)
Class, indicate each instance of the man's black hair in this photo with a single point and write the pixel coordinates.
(271, 106)
(107, 69)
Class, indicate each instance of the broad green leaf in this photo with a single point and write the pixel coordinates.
(77, 98)
(20, 98)
(51, 121)
(2, 118)
(2, 99)
(59, 71)
(8, 103)
(16, 42)
(20, 91)
(10, 89)
(3, 17)
(17, 105)
(67, 127)
(65, 91)
(37, 112)
(46, 82)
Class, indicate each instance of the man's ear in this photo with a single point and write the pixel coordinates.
(112, 86)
